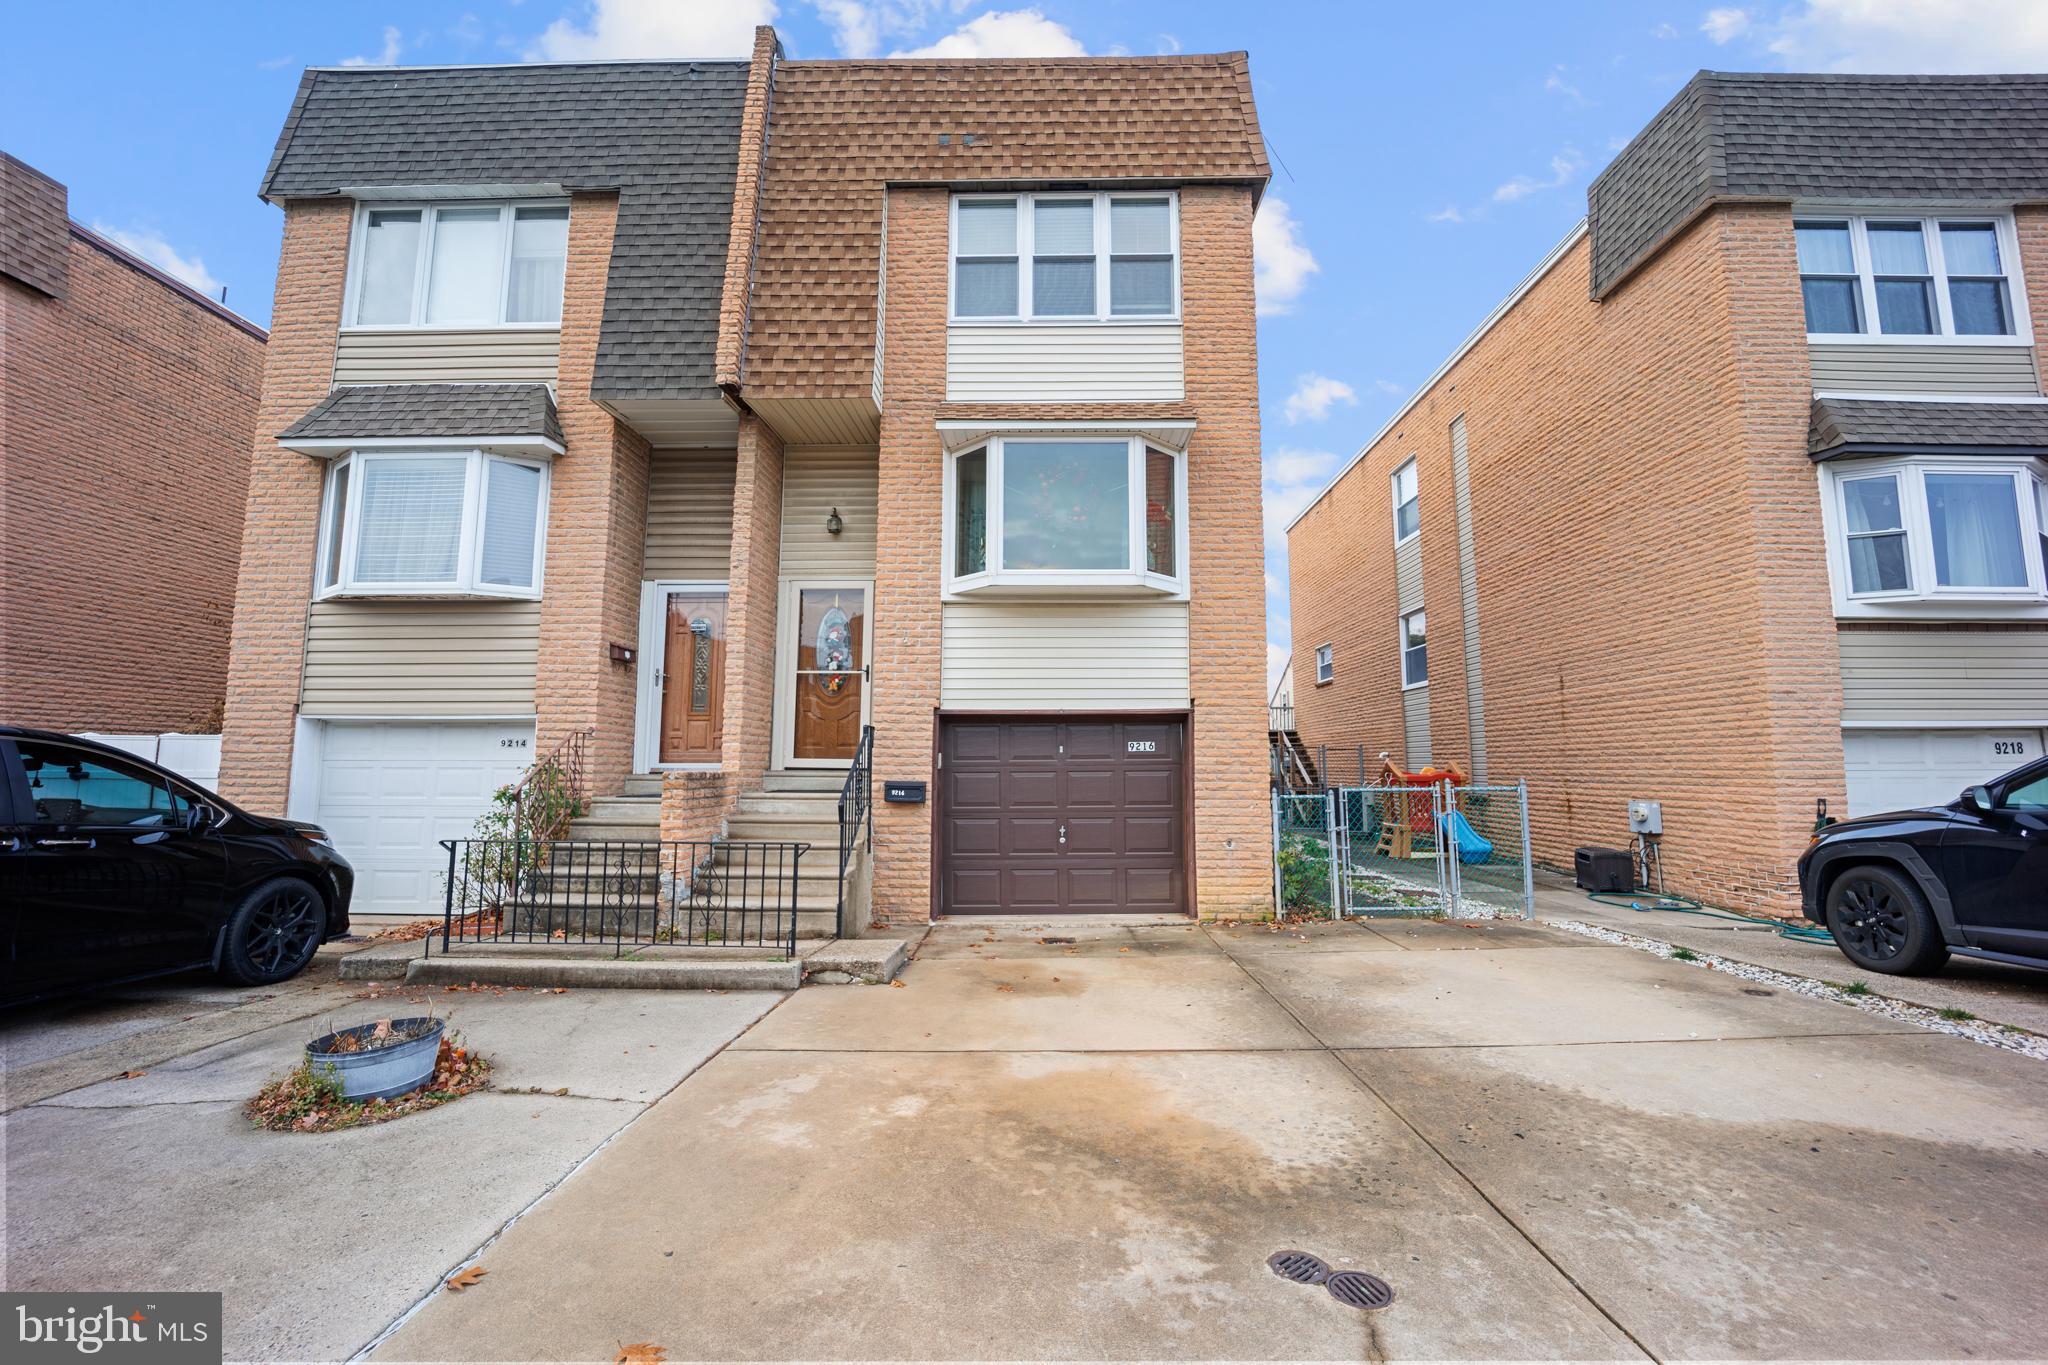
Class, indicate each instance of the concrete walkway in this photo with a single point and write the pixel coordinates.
(1044, 1149)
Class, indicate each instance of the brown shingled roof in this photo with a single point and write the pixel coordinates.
(840, 131)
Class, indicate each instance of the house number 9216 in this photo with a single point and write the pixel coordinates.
(1141, 746)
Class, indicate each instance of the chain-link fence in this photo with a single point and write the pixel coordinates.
(1440, 850)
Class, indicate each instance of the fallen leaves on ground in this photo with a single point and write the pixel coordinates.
(310, 1101)
(898, 984)
(1006, 988)
(463, 1279)
(641, 1353)
(131, 1075)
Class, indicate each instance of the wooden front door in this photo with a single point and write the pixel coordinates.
(693, 679)
(831, 673)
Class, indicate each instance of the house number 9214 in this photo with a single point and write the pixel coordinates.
(1141, 746)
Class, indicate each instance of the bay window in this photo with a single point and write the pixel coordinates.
(1908, 277)
(1065, 256)
(1066, 512)
(1925, 531)
(432, 524)
(459, 265)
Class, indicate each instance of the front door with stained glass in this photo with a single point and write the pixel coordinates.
(693, 679)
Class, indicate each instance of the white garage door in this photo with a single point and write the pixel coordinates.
(1906, 769)
(389, 792)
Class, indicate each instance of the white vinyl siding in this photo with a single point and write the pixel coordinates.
(1944, 676)
(1408, 574)
(1468, 599)
(689, 515)
(1853, 367)
(413, 356)
(1415, 728)
(814, 482)
(420, 659)
(1110, 656)
(1064, 363)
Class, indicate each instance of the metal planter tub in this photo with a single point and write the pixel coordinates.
(379, 1073)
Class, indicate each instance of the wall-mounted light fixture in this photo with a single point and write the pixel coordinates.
(833, 525)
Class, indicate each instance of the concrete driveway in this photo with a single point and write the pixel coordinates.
(317, 1242)
(1550, 1147)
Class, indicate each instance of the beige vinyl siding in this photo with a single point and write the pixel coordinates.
(1848, 366)
(1075, 656)
(1408, 574)
(423, 356)
(689, 515)
(1468, 598)
(1944, 677)
(1088, 362)
(1415, 727)
(410, 658)
(814, 481)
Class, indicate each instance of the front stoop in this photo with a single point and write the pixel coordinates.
(822, 962)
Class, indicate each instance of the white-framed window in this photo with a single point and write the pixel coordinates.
(1936, 532)
(1066, 512)
(432, 523)
(458, 265)
(1414, 650)
(1407, 504)
(1326, 664)
(1921, 278)
(1065, 257)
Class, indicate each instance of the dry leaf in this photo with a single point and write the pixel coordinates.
(464, 1279)
(1007, 988)
(897, 984)
(641, 1353)
(131, 1075)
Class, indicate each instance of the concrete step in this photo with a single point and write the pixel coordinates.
(797, 780)
(625, 808)
(642, 784)
(647, 973)
(781, 829)
(616, 831)
(856, 961)
(796, 805)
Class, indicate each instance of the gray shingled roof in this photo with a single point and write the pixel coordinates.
(1875, 426)
(1775, 136)
(387, 410)
(664, 134)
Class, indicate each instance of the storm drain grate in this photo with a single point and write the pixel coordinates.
(1298, 1266)
(1359, 1290)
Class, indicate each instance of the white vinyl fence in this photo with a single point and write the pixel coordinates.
(195, 758)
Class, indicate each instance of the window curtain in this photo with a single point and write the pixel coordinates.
(1975, 521)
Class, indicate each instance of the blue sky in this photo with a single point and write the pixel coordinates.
(1425, 156)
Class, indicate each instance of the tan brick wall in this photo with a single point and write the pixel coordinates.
(694, 805)
(597, 514)
(2031, 225)
(280, 527)
(753, 588)
(126, 415)
(728, 361)
(1653, 598)
(1226, 561)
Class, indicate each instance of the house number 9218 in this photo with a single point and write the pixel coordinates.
(1141, 746)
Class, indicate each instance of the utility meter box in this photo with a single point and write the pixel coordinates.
(1646, 817)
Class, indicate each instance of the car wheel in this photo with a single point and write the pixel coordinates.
(1882, 924)
(274, 933)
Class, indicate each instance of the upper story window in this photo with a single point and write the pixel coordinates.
(1935, 278)
(1414, 650)
(458, 265)
(1407, 503)
(432, 524)
(1922, 531)
(1326, 664)
(1065, 513)
(1071, 257)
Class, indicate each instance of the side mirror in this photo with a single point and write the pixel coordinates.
(1980, 797)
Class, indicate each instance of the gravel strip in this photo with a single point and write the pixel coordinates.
(1976, 1030)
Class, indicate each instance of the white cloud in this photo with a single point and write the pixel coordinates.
(1276, 663)
(1004, 33)
(151, 247)
(1281, 261)
(1314, 395)
(1725, 24)
(1563, 167)
(856, 27)
(654, 28)
(1664, 31)
(1449, 213)
(1556, 84)
(394, 44)
(1293, 478)
(1913, 35)
(1389, 387)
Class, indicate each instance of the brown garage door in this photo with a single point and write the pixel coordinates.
(1062, 817)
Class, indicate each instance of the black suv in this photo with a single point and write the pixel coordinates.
(112, 869)
(1900, 892)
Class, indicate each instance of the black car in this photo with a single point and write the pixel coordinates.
(113, 869)
(1900, 892)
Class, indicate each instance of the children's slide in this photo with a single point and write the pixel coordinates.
(1471, 848)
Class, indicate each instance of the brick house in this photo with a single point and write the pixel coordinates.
(1736, 502)
(823, 395)
(127, 403)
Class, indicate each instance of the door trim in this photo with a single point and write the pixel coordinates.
(941, 716)
(783, 722)
(653, 647)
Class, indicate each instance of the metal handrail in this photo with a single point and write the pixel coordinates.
(567, 758)
(856, 798)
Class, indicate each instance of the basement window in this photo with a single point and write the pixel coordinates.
(432, 524)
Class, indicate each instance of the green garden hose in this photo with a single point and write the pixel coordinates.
(1646, 901)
